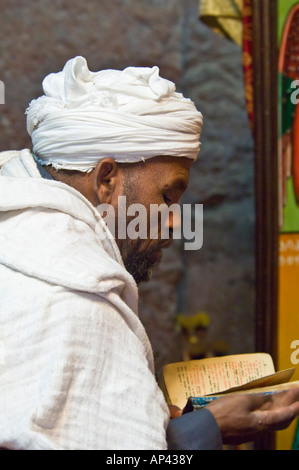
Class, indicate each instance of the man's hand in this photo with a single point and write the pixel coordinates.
(174, 411)
(244, 418)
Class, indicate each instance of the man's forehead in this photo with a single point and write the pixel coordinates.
(163, 171)
(166, 165)
(169, 160)
(167, 173)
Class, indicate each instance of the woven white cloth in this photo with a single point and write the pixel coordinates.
(76, 365)
(129, 115)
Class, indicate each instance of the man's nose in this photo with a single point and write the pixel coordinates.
(172, 221)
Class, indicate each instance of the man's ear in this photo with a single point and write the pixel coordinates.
(106, 180)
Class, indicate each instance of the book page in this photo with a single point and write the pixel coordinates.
(213, 375)
(281, 377)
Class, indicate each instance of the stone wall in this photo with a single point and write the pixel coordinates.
(38, 37)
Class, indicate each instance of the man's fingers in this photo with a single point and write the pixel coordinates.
(290, 396)
(274, 420)
(175, 412)
(279, 412)
(276, 400)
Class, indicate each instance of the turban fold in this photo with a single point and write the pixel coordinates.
(129, 115)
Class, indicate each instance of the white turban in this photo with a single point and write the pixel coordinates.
(129, 115)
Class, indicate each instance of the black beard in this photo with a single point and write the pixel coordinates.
(140, 265)
(138, 262)
(139, 269)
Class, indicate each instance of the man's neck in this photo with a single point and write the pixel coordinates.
(76, 179)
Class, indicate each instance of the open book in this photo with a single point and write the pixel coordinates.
(203, 380)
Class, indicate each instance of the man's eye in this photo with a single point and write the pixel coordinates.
(166, 199)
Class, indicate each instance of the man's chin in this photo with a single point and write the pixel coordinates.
(140, 275)
(141, 268)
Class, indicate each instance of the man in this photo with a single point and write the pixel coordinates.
(76, 364)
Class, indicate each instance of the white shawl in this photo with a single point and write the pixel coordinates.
(76, 366)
